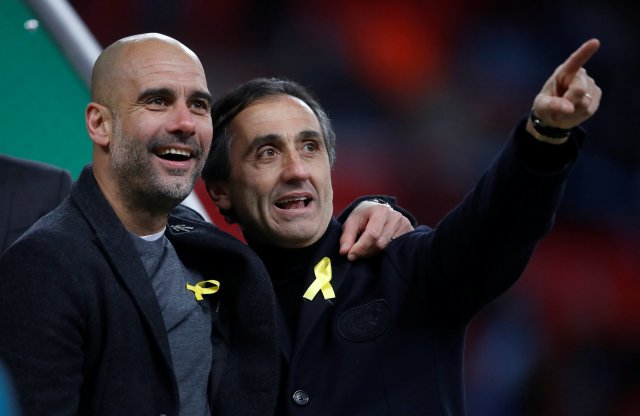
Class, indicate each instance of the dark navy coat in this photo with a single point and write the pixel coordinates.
(391, 342)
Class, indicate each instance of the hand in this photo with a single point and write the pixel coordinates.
(373, 225)
(570, 96)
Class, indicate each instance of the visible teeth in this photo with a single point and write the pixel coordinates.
(172, 151)
(293, 203)
(292, 200)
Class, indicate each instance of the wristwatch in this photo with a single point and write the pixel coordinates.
(553, 132)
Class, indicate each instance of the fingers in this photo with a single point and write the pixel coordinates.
(370, 228)
(384, 225)
(592, 99)
(350, 231)
(579, 58)
(367, 245)
(570, 96)
(565, 75)
(583, 92)
(365, 217)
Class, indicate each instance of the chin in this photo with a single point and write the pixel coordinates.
(297, 239)
(175, 192)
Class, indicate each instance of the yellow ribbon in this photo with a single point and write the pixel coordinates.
(322, 270)
(199, 288)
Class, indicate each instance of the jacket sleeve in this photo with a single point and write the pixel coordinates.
(483, 245)
(41, 327)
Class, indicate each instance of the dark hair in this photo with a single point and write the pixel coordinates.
(218, 165)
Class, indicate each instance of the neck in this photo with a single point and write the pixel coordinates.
(284, 262)
(288, 269)
(140, 217)
(142, 222)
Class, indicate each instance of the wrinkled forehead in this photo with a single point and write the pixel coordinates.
(160, 64)
(275, 115)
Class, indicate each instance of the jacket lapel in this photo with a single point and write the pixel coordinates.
(122, 255)
(246, 355)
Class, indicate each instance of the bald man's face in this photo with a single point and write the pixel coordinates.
(162, 125)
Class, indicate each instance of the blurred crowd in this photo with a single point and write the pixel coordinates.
(422, 95)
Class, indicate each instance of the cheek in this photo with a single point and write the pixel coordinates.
(206, 135)
(324, 178)
(248, 186)
(143, 126)
(258, 188)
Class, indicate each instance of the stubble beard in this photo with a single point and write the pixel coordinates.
(139, 182)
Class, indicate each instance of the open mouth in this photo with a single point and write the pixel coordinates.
(294, 203)
(173, 154)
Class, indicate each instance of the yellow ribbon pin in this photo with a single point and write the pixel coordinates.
(199, 288)
(322, 270)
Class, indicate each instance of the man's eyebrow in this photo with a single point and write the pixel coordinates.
(155, 92)
(309, 134)
(261, 141)
(167, 92)
(274, 138)
(203, 95)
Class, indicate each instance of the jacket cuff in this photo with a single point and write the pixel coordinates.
(544, 158)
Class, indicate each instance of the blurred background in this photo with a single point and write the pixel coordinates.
(422, 95)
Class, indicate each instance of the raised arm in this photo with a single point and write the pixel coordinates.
(481, 248)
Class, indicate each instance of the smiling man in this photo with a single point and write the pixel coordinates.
(96, 311)
(385, 335)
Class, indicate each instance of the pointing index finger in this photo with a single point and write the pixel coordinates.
(580, 57)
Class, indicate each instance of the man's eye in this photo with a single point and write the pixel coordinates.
(201, 105)
(311, 147)
(266, 153)
(157, 101)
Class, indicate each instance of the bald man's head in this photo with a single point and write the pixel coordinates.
(109, 68)
(150, 123)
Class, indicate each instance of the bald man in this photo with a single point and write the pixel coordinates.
(121, 301)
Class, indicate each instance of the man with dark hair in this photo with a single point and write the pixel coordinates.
(385, 335)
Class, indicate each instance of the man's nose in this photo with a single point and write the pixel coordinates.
(295, 168)
(182, 120)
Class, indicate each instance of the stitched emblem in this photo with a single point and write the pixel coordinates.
(181, 228)
(365, 322)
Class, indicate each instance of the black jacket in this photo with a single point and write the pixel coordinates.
(81, 331)
(391, 342)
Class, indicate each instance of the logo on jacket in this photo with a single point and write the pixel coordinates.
(181, 228)
(365, 322)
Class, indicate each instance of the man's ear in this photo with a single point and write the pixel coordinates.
(99, 123)
(219, 193)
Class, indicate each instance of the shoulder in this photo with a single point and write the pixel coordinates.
(39, 179)
(183, 212)
(32, 167)
(61, 228)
